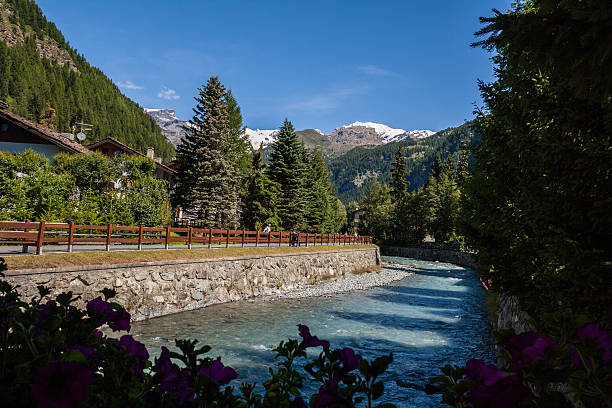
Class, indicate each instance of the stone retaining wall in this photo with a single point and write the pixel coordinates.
(153, 289)
(430, 254)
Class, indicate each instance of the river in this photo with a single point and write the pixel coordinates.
(436, 317)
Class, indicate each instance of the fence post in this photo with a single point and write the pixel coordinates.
(209, 238)
(189, 235)
(227, 239)
(243, 232)
(280, 238)
(307, 240)
(167, 243)
(24, 249)
(70, 235)
(257, 239)
(269, 237)
(39, 240)
(344, 239)
(109, 231)
(140, 232)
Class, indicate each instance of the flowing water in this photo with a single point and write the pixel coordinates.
(436, 317)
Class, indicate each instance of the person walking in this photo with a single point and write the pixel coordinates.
(267, 229)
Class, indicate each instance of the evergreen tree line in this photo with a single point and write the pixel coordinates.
(223, 183)
(42, 91)
(394, 214)
(85, 188)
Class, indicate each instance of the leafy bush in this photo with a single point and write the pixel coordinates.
(52, 354)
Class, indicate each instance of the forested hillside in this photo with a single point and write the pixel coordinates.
(39, 70)
(353, 172)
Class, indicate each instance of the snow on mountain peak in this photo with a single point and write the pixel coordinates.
(384, 131)
(259, 136)
(388, 134)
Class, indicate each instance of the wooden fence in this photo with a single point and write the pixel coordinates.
(37, 234)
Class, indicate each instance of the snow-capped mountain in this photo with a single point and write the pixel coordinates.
(259, 136)
(388, 134)
(171, 126)
(355, 134)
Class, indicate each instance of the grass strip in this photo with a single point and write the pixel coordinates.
(59, 260)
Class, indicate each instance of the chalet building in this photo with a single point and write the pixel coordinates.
(356, 218)
(18, 134)
(112, 147)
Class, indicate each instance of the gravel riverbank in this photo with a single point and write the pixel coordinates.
(349, 282)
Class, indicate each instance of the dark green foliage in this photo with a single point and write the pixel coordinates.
(261, 198)
(539, 207)
(399, 185)
(206, 186)
(324, 212)
(29, 83)
(239, 144)
(288, 169)
(89, 171)
(378, 218)
(376, 162)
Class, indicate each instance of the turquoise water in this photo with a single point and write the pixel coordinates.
(434, 318)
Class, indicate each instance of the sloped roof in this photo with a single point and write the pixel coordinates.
(127, 148)
(43, 132)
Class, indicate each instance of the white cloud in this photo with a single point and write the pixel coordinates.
(129, 85)
(167, 93)
(326, 101)
(375, 70)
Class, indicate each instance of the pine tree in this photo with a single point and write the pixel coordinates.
(399, 184)
(239, 142)
(288, 169)
(436, 167)
(206, 182)
(261, 199)
(321, 210)
(463, 167)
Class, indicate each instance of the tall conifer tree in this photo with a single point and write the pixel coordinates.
(399, 184)
(288, 169)
(206, 183)
(261, 197)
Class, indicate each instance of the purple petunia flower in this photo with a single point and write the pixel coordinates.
(137, 350)
(219, 373)
(575, 357)
(88, 351)
(99, 307)
(44, 311)
(328, 394)
(171, 378)
(600, 337)
(61, 385)
(478, 370)
(507, 392)
(309, 340)
(98, 334)
(349, 359)
(528, 347)
(120, 321)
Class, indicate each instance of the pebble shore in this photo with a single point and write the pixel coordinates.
(350, 282)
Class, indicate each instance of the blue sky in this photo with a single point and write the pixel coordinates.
(322, 64)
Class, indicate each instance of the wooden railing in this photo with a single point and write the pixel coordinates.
(36, 234)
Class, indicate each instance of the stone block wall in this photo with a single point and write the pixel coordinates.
(153, 289)
(431, 254)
